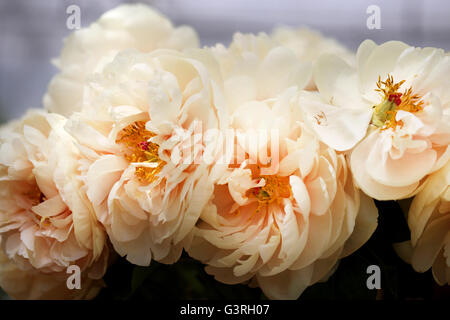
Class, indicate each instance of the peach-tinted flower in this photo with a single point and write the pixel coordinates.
(46, 221)
(391, 111)
(129, 26)
(143, 110)
(281, 219)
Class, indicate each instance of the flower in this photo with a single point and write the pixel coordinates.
(391, 112)
(146, 112)
(429, 222)
(46, 221)
(285, 209)
(33, 285)
(129, 26)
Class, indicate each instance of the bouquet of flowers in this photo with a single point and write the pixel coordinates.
(261, 159)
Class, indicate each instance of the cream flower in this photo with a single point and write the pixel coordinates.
(395, 104)
(129, 26)
(34, 285)
(46, 221)
(308, 44)
(146, 111)
(281, 219)
(429, 221)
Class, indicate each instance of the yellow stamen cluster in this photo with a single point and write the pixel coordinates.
(274, 189)
(139, 150)
(393, 101)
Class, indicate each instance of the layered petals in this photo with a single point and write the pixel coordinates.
(144, 145)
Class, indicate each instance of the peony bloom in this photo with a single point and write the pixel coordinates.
(46, 221)
(280, 218)
(391, 111)
(429, 221)
(145, 115)
(129, 26)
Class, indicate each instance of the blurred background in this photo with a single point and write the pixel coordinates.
(32, 32)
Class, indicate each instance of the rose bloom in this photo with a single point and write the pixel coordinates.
(391, 112)
(129, 26)
(280, 220)
(429, 221)
(145, 113)
(46, 221)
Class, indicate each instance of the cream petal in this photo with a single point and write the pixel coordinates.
(301, 196)
(88, 136)
(121, 229)
(102, 175)
(430, 244)
(253, 115)
(44, 179)
(33, 136)
(425, 202)
(342, 225)
(379, 63)
(27, 237)
(407, 170)
(287, 285)
(246, 266)
(276, 72)
(339, 127)
(238, 90)
(62, 88)
(358, 164)
(267, 250)
(164, 105)
(364, 51)
(50, 207)
(319, 233)
(441, 270)
(365, 224)
(417, 62)
(293, 239)
(337, 83)
(226, 275)
(200, 196)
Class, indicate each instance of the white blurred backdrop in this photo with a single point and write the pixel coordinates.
(32, 31)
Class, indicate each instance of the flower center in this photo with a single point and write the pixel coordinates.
(274, 189)
(36, 197)
(139, 150)
(384, 113)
